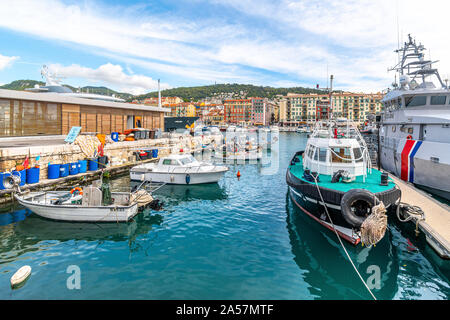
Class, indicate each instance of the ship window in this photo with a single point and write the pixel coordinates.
(358, 155)
(167, 162)
(322, 154)
(438, 100)
(415, 101)
(341, 155)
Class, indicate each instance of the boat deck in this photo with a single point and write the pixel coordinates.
(437, 217)
(371, 184)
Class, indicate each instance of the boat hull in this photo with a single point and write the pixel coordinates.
(177, 178)
(76, 213)
(423, 163)
(306, 197)
(316, 211)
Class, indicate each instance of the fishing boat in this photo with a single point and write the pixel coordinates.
(415, 125)
(178, 169)
(87, 204)
(332, 180)
(65, 206)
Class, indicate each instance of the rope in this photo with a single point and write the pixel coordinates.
(412, 212)
(339, 238)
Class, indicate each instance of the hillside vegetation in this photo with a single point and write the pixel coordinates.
(201, 92)
(221, 91)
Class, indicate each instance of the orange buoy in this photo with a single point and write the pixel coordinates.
(238, 174)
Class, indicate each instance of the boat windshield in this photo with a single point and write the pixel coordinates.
(187, 160)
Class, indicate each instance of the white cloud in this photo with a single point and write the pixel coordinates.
(295, 39)
(6, 61)
(110, 74)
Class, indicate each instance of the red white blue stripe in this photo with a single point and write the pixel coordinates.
(408, 153)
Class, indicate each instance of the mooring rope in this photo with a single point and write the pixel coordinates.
(412, 211)
(339, 238)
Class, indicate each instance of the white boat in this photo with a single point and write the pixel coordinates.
(178, 169)
(415, 125)
(67, 206)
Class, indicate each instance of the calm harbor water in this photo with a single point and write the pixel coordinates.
(239, 239)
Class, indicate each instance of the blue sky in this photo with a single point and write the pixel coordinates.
(128, 45)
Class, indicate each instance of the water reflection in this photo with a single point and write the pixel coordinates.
(27, 232)
(331, 276)
(181, 193)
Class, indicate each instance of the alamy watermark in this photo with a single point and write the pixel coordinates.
(74, 280)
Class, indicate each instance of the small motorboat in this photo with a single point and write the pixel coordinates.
(178, 169)
(87, 204)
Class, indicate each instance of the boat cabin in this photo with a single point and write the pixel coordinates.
(184, 160)
(338, 148)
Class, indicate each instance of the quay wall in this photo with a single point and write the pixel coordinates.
(119, 153)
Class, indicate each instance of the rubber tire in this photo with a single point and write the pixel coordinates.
(349, 198)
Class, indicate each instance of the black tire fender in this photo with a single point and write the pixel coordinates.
(347, 201)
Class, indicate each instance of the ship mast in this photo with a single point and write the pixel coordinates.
(413, 64)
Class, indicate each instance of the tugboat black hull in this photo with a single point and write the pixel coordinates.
(306, 197)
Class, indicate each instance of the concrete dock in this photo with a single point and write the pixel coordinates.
(436, 225)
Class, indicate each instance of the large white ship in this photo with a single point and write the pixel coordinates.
(415, 124)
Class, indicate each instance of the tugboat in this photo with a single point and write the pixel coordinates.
(415, 125)
(333, 182)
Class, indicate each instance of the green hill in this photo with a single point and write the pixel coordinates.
(201, 92)
(186, 93)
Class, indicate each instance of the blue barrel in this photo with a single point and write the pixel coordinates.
(92, 164)
(33, 175)
(115, 136)
(53, 171)
(73, 168)
(82, 166)
(64, 170)
(23, 176)
(3, 175)
(155, 153)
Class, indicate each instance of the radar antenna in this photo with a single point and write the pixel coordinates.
(412, 63)
(50, 78)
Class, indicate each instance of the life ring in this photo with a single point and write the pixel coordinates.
(409, 137)
(349, 200)
(80, 191)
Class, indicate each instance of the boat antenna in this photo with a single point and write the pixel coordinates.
(159, 94)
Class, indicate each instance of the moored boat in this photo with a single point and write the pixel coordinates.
(415, 125)
(178, 169)
(335, 171)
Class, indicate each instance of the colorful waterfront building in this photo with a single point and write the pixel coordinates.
(164, 101)
(238, 111)
(300, 108)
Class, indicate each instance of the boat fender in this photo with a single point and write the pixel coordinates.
(20, 276)
(80, 191)
(337, 176)
(188, 178)
(349, 198)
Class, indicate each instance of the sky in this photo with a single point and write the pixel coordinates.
(128, 45)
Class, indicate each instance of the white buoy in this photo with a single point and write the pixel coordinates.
(20, 276)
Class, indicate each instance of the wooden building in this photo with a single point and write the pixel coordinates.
(31, 114)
